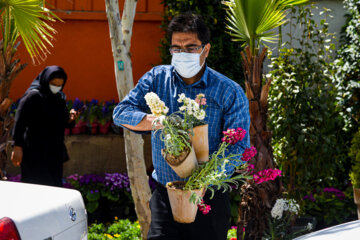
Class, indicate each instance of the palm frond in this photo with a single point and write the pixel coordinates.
(252, 21)
(30, 20)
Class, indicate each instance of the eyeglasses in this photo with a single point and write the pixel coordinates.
(187, 50)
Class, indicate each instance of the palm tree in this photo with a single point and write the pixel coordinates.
(253, 22)
(28, 20)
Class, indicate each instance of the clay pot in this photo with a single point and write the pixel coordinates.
(104, 128)
(184, 165)
(357, 200)
(200, 142)
(67, 132)
(182, 209)
(94, 128)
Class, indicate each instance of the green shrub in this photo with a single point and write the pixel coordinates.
(307, 128)
(347, 68)
(224, 55)
(355, 157)
(330, 206)
(119, 229)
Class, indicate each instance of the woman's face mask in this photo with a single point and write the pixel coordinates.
(187, 64)
(54, 89)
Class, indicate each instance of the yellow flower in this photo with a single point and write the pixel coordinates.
(108, 235)
(116, 218)
(116, 235)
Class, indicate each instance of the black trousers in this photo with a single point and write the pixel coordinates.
(212, 226)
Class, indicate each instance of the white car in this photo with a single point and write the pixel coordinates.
(345, 231)
(36, 212)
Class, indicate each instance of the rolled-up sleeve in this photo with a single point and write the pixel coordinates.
(132, 109)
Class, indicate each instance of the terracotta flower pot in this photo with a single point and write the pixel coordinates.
(67, 132)
(182, 209)
(77, 129)
(94, 128)
(104, 128)
(357, 200)
(185, 165)
(200, 142)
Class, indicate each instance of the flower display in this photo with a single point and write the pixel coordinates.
(266, 175)
(175, 127)
(212, 174)
(232, 136)
(156, 106)
(282, 205)
(193, 110)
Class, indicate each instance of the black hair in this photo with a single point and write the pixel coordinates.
(58, 74)
(189, 22)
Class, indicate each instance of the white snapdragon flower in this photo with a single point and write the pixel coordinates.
(293, 207)
(278, 209)
(156, 106)
(191, 107)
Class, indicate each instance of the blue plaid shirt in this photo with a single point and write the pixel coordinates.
(227, 107)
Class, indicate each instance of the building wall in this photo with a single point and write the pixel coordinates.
(82, 47)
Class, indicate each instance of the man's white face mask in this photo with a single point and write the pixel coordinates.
(187, 64)
(54, 89)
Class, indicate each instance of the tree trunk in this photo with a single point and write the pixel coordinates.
(9, 69)
(120, 35)
(257, 200)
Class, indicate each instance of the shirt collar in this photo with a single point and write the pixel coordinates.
(202, 83)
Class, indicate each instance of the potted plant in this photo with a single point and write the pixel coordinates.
(186, 197)
(106, 117)
(355, 170)
(94, 114)
(178, 150)
(80, 124)
(194, 114)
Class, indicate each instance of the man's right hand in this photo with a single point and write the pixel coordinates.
(16, 156)
(144, 125)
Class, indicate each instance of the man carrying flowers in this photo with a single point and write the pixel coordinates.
(227, 108)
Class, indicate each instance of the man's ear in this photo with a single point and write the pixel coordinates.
(207, 49)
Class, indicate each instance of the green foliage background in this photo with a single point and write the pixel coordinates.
(347, 68)
(224, 55)
(308, 140)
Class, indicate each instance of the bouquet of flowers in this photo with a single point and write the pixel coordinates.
(176, 130)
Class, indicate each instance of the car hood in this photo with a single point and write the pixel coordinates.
(41, 209)
(348, 231)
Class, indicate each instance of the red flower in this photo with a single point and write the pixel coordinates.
(232, 136)
(248, 154)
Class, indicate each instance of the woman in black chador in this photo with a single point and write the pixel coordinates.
(38, 135)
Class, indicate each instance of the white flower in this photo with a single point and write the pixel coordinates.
(282, 205)
(191, 107)
(309, 226)
(156, 106)
(181, 97)
(279, 207)
(167, 137)
(161, 119)
(293, 207)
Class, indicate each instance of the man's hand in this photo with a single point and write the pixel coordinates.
(17, 156)
(145, 124)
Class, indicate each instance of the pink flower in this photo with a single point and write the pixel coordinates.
(248, 154)
(200, 99)
(204, 208)
(266, 175)
(250, 168)
(232, 136)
